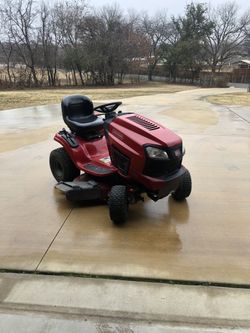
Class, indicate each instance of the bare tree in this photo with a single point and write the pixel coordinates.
(70, 20)
(156, 29)
(49, 39)
(21, 17)
(7, 50)
(110, 43)
(134, 45)
(227, 37)
(246, 45)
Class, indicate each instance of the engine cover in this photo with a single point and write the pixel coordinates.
(128, 135)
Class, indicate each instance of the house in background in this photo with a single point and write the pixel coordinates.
(241, 71)
(242, 64)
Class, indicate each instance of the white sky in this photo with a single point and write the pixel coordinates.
(172, 7)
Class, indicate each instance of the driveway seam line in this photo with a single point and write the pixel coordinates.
(128, 278)
(236, 114)
(45, 253)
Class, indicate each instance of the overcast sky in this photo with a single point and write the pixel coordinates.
(173, 7)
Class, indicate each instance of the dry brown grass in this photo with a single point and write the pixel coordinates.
(231, 99)
(32, 97)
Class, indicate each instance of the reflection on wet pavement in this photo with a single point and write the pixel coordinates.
(21, 127)
(29, 118)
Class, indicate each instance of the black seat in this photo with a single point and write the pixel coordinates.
(78, 114)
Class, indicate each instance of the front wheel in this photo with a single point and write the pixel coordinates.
(184, 189)
(61, 166)
(118, 204)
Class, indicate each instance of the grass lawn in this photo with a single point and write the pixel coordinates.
(12, 99)
(231, 99)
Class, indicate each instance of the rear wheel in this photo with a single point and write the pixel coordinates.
(184, 189)
(61, 166)
(118, 204)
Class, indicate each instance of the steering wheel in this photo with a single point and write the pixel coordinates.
(107, 108)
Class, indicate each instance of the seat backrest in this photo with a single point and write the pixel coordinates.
(76, 107)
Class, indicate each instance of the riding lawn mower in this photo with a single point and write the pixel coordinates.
(116, 157)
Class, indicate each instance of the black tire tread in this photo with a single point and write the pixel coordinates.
(68, 168)
(118, 204)
(184, 189)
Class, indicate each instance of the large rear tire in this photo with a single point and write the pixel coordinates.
(61, 166)
(184, 189)
(118, 204)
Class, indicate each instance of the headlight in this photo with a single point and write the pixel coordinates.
(157, 153)
(179, 152)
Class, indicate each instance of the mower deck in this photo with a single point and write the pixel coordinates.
(80, 189)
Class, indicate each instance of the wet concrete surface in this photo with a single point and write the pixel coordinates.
(36, 303)
(22, 127)
(205, 238)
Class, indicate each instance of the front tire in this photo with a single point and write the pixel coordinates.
(118, 204)
(184, 189)
(61, 166)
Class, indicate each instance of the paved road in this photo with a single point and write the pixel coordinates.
(205, 238)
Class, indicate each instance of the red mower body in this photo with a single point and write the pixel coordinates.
(87, 153)
(122, 150)
(121, 155)
(128, 136)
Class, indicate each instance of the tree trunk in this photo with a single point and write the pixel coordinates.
(74, 76)
(150, 73)
(34, 76)
(79, 69)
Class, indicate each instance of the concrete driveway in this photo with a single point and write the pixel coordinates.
(203, 239)
(174, 267)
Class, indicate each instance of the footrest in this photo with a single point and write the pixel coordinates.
(97, 169)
